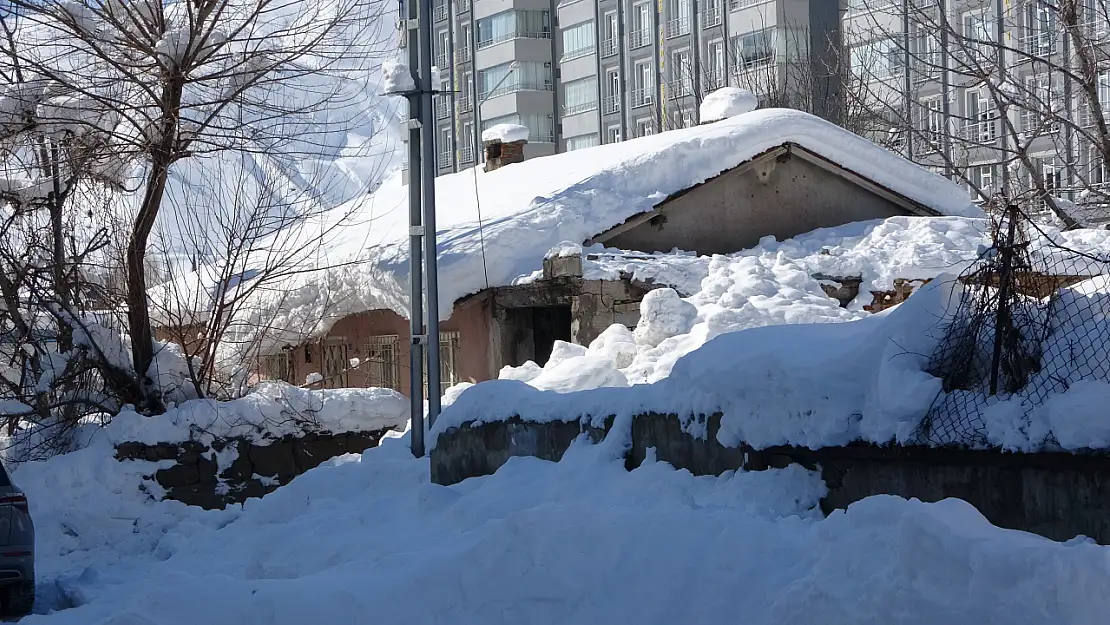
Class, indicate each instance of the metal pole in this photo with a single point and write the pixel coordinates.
(945, 90)
(1003, 126)
(907, 101)
(428, 182)
(416, 298)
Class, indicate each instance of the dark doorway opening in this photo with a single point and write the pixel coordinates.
(529, 333)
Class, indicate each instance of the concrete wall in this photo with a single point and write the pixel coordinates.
(1057, 495)
(196, 479)
(783, 197)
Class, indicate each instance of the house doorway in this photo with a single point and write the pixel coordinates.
(530, 333)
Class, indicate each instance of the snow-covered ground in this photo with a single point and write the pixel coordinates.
(582, 541)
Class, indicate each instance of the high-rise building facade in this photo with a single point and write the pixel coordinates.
(580, 73)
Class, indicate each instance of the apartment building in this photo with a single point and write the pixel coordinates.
(902, 61)
(598, 71)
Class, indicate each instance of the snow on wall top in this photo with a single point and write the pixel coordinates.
(396, 77)
(525, 211)
(727, 102)
(505, 133)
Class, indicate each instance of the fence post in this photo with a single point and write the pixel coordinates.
(1002, 317)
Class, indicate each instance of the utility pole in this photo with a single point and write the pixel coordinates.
(428, 182)
(414, 19)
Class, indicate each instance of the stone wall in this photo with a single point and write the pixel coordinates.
(234, 470)
(1057, 495)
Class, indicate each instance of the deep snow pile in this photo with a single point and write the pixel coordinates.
(814, 384)
(581, 541)
(726, 102)
(525, 209)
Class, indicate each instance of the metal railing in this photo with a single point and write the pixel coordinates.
(462, 6)
(580, 108)
(444, 159)
(639, 38)
(683, 86)
(443, 108)
(441, 60)
(510, 36)
(439, 12)
(610, 104)
(466, 154)
(463, 54)
(579, 53)
(642, 97)
(514, 87)
(678, 26)
(608, 48)
(464, 102)
(736, 5)
(712, 16)
(985, 131)
(1039, 44)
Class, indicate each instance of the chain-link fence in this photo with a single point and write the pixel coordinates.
(1031, 322)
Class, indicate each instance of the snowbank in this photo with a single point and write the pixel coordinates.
(271, 410)
(807, 384)
(505, 133)
(581, 541)
(534, 205)
(727, 102)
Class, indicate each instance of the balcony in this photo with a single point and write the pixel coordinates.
(641, 97)
(570, 55)
(466, 154)
(464, 102)
(523, 85)
(981, 132)
(712, 16)
(482, 45)
(441, 60)
(610, 104)
(1039, 44)
(439, 12)
(608, 48)
(443, 108)
(683, 87)
(639, 38)
(678, 27)
(462, 6)
(575, 109)
(736, 5)
(444, 160)
(463, 54)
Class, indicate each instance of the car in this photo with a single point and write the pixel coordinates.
(17, 550)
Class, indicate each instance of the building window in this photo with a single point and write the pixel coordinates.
(713, 12)
(678, 18)
(1096, 167)
(510, 25)
(383, 363)
(643, 86)
(645, 127)
(280, 366)
(534, 76)
(336, 363)
(444, 147)
(541, 128)
(980, 116)
(465, 43)
(984, 177)
(682, 73)
(754, 49)
(978, 37)
(580, 96)
(881, 58)
(578, 41)
(640, 35)
(1040, 110)
(466, 143)
(449, 353)
(443, 48)
(582, 141)
(609, 35)
(1040, 28)
(613, 134)
(611, 103)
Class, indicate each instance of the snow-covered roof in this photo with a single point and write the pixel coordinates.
(517, 213)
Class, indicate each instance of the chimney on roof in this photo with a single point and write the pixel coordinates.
(504, 145)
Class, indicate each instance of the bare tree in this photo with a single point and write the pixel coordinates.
(1008, 98)
(189, 80)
